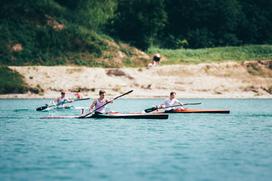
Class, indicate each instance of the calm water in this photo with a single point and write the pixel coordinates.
(237, 146)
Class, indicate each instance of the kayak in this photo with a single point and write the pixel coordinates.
(64, 107)
(115, 116)
(47, 107)
(188, 110)
(132, 116)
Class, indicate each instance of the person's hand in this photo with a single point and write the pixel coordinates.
(161, 106)
(70, 100)
(110, 101)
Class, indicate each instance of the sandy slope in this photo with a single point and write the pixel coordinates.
(230, 79)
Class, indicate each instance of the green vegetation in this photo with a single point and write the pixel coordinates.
(42, 45)
(84, 32)
(11, 82)
(192, 23)
(53, 32)
(240, 53)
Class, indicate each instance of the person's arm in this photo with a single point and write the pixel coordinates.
(68, 100)
(53, 102)
(93, 105)
(56, 101)
(163, 105)
(109, 101)
(178, 102)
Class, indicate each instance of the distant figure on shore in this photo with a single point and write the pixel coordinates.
(62, 99)
(155, 61)
(98, 103)
(171, 101)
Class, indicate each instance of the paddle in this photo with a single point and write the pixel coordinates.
(83, 116)
(53, 105)
(156, 108)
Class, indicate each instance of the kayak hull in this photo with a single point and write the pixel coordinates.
(131, 116)
(59, 108)
(115, 116)
(216, 111)
(50, 108)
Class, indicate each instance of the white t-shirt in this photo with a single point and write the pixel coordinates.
(61, 101)
(172, 102)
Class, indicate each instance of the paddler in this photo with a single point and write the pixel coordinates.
(62, 99)
(77, 94)
(171, 101)
(98, 103)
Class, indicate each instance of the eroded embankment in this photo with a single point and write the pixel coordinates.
(229, 79)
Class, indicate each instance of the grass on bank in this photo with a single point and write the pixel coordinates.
(239, 53)
(40, 44)
(11, 82)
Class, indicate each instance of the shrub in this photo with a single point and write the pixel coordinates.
(11, 81)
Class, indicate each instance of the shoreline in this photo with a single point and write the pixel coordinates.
(92, 96)
(249, 80)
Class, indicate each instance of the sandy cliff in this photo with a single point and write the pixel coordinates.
(229, 79)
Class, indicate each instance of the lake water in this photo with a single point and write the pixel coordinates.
(235, 146)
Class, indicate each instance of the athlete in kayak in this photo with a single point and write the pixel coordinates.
(171, 101)
(77, 94)
(60, 101)
(97, 104)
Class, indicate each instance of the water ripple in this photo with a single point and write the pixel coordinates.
(184, 147)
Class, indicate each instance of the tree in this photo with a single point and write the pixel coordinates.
(256, 26)
(138, 22)
(203, 23)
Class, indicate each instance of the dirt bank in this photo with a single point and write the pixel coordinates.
(252, 79)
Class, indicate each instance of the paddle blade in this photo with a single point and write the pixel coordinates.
(42, 108)
(128, 92)
(150, 109)
(123, 94)
(194, 103)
